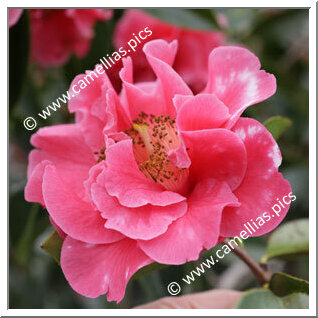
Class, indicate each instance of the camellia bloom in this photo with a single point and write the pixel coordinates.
(156, 174)
(14, 16)
(191, 61)
(58, 33)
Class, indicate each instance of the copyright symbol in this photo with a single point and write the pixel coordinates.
(174, 288)
(29, 123)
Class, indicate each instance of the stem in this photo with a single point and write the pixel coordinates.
(262, 275)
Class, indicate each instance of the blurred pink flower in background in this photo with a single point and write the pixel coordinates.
(58, 33)
(14, 16)
(156, 174)
(194, 47)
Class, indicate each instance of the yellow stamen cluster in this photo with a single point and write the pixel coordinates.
(153, 136)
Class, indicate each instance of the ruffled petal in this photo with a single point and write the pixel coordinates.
(203, 111)
(91, 97)
(198, 229)
(65, 147)
(236, 79)
(128, 184)
(160, 56)
(145, 222)
(33, 189)
(262, 184)
(138, 98)
(74, 216)
(194, 46)
(193, 55)
(94, 270)
(97, 106)
(217, 153)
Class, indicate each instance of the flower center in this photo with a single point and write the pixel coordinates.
(153, 137)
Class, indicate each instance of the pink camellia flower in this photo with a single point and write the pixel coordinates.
(58, 33)
(14, 16)
(156, 174)
(191, 60)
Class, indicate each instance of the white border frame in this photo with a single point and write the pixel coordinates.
(312, 164)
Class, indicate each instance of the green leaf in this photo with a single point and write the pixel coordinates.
(265, 299)
(296, 301)
(148, 269)
(289, 239)
(277, 125)
(282, 284)
(53, 245)
(183, 17)
(259, 299)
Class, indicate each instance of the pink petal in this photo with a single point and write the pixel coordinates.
(161, 50)
(126, 73)
(65, 147)
(59, 231)
(92, 97)
(94, 270)
(48, 37)
(137, 100)
(203, 111)
(145, 97)
(125, 181)
(179, 156)
(35, 157)
(64, 140)
(111, 138)
(198, 229)
(85, 19)
(262, 183)
(144, 222)
(58, 33)
(160, 55)
(218, 153)
(74, 216)
(236, 79)
(94, 172)
(92, 130)
(180, 100)
(96, 106)
(14, 16)
(33, 189)
(194, 46)
(193, 55)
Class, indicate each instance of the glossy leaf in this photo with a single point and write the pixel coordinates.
(289, 239)
(282, 284)
(259, 299)
(265, 299)
(296, 301)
